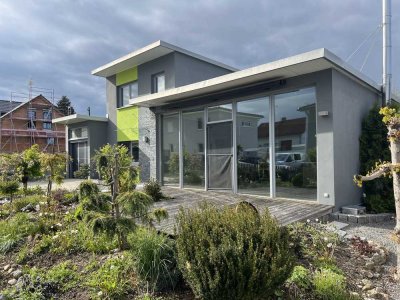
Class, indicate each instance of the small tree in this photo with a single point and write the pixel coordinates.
(64, 106)
(53, 165)
(29, 165)
(391, 118)
(114, 166)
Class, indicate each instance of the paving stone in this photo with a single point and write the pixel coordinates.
(354, 210)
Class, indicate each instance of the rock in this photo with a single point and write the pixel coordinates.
(355, 294)
(377, 293)
(12, 281)
(28, 208)
(378, 259)
(100, 294)
(369, 275)
(367, 287)
(17, 274)
(10, 270)
(366, 281)
(37, 207)
(6, 267)
(370, 265)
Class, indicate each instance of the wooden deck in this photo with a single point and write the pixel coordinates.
(284, 210)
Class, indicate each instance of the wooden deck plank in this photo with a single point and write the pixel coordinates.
(285, 211)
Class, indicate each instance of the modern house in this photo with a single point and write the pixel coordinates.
(23, 124)
(285, 129)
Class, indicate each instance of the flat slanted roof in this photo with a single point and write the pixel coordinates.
(149, 53)
(309, 62)
(77, 118)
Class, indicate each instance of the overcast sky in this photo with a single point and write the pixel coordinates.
(56, 43)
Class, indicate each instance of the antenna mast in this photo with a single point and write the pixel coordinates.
(387, 49)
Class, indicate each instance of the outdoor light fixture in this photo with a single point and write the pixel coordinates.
(323, 113)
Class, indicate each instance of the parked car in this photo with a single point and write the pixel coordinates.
(288, 160)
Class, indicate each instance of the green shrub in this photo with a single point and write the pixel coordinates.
(153, 189)
(114, 278)
(225, 254)
(329, 285)
(299, 284)
(312, 240)
(14, 230)
(76, 238)
(297, 180)
(9, 188)
(374, 146)
(46, 284)
(155, 261)
(88, 188)
(83, 172)
(21, 203)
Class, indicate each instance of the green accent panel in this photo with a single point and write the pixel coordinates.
(128, 124)
(126, 76)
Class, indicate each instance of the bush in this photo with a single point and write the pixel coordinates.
(114, 278)
(21, 203)
(225, 254)
(297, 180)
(299, 283)
(13, 231)
(155, 261)
(9, 188)
(83, 172)
(46, 284)
(88, 188)
(153, 189)
(374, 146)
(330, 285)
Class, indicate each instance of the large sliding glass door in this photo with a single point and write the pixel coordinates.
(219, 147)
(296, 145)
(263, 146)
(252, 131)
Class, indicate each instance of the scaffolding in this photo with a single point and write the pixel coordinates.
(11, 136)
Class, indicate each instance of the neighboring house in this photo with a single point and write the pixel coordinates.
(23, 124)
(193, 122)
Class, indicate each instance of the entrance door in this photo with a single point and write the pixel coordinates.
(219, 155)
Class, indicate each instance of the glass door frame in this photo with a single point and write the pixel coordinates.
(272, 164)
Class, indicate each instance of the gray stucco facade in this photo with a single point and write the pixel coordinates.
(193, 83)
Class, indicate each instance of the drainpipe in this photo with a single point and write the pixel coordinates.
(387, 50)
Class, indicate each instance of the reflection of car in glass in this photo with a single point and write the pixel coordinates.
(288, 160)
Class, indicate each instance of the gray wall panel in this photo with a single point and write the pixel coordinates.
(146, 71)
(111, 94)
(351, 103)
(189, 70)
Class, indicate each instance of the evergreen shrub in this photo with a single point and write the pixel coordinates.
(374, 146)
(224, 254)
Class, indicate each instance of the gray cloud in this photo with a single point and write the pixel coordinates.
(57, 43)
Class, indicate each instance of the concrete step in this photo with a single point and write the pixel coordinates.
(354, 210)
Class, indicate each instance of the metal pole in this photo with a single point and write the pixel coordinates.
(387, 49)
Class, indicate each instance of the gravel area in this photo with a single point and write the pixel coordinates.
(380, 233)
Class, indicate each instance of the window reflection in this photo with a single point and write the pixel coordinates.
(295, 145)
(252, 129)
(170, 149)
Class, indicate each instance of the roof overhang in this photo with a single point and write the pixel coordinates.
(146, 54)
(77, 118)
(309, 62)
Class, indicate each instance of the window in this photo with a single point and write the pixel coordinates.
(200, 123)
(79, 133)
(201, 147)
(31, 114)
(246, 124)
(46, 114)
(126, 92)
(31, 124)
(47, 125)
(286, 145)
(158, 82)
(50, 141)
(133, 149)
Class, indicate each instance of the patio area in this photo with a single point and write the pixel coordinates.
(284, 210)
